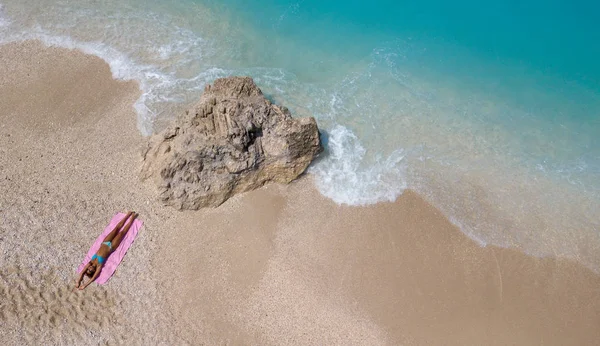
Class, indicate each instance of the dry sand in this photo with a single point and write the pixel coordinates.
(69, 152)
(278, 266)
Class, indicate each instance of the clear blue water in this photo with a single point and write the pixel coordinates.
(489, 110)
(550, 37)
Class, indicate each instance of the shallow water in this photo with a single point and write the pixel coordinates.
(491, 111)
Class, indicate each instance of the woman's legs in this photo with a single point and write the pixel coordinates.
(113, 233)
(117, 239)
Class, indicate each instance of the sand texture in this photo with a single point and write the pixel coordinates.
(278, 266)
(69, 155)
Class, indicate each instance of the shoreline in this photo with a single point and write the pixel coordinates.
(280, 265)
(508, 214)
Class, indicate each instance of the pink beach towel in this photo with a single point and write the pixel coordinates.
(111, 264)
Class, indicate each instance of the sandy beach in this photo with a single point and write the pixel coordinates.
(278, 266)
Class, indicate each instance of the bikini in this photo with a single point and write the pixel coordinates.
(101, 259)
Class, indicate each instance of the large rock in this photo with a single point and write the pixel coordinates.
(233, 140)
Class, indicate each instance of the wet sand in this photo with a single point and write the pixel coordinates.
(277, 266)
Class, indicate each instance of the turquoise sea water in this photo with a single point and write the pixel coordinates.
(489, 110)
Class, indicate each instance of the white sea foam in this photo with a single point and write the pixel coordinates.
(344, 177)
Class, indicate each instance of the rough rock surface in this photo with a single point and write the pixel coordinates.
(233, 140)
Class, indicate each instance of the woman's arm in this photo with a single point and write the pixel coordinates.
(96, 273)
(78, 281)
